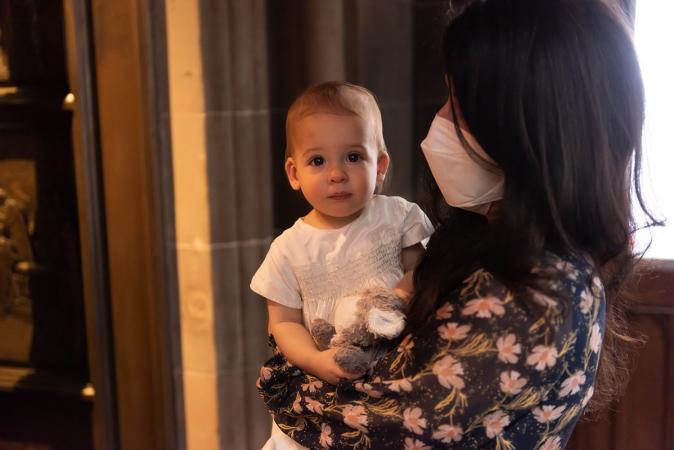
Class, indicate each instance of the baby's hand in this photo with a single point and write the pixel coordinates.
(323, 366)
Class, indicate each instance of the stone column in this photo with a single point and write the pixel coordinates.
(193, 228)
(221, 151)
(237, 115)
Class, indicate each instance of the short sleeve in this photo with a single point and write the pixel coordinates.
(275, 280)
(416, 226)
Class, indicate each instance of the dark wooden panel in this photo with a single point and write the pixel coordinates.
(44, 394)
(39, 423)
(87, 159)
(31, 39)
(132, 93)
(641, 421)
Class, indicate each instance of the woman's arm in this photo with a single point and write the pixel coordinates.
(410, 258)
(297, 345)
(488, 369)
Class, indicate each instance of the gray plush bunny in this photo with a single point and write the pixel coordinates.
(361, 320)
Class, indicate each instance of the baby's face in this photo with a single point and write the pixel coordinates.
(335, 163)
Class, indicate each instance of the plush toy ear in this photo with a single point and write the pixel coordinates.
(383, 323)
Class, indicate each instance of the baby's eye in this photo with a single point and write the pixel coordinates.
(317, 161)
(354, 157)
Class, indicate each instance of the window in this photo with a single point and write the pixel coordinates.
(654, 37)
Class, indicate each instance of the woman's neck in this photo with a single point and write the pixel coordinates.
(494, 211)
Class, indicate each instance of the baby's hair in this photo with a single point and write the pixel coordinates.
(336, 97)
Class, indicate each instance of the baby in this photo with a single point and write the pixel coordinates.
(352, 239)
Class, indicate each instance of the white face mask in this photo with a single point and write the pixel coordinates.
(463, 182)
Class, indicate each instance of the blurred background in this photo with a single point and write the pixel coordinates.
(141, 183)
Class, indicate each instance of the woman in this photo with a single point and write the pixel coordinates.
(533, 157)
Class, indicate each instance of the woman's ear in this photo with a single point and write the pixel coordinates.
(291, 172)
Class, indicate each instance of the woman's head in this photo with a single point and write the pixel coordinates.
(552, 91)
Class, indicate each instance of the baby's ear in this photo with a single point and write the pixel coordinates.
(383, 161)
(385, 323)
(291, 172)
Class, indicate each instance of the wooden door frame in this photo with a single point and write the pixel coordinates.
(91, 218)
(117, 52)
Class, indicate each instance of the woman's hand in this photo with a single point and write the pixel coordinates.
(323, 365)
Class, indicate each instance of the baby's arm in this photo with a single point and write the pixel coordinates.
(297, 345)
(410, 258)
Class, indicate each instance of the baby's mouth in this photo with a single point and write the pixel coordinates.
(340, 196)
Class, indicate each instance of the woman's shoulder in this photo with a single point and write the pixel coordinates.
(570, 268)
(559, 278)
(565, 305)
(575, 281)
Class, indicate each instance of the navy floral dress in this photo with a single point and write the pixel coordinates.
(488, 370)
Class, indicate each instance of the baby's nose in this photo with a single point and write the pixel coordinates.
(337, 175)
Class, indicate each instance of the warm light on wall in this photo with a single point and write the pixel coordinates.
(654, 36)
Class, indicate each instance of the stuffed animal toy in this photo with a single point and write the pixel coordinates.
(361, 321)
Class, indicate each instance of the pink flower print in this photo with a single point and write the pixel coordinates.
(567, 267)
(542, 356)
(355, 417)
(448, 370)
(314, 405)
(368, 389)
(265, 373)
(548, 413)
(406, 344)
(511, 383)
(312, 386)
(588, 396)
(586, 301)
(413, 421)
(543, 299)
(453, 331)
(445, 311)
(484, 307)
(508, 348)
(572, 384)
(595, 338)
(326, 436)
(495, 422)
(448, 433)
(297, 407)
(402, 384)
(415, 444)
(551, 443)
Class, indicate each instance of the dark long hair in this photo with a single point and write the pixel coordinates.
(552, 90)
